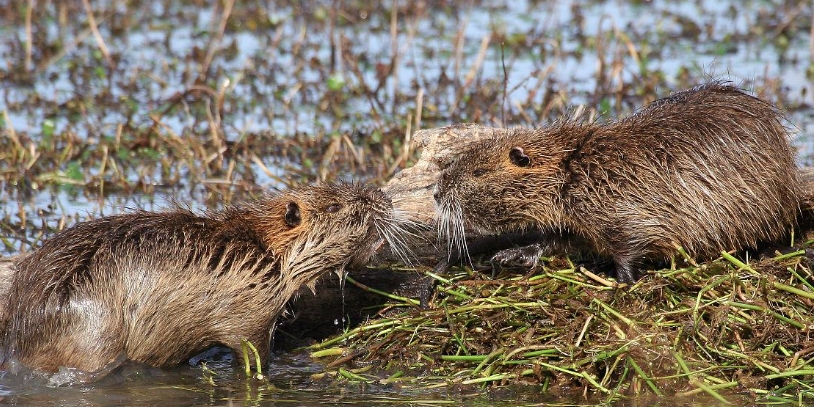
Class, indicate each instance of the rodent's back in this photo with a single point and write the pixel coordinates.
(138, 278)
(708, 169)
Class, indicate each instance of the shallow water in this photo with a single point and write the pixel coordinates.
(288, 382)
(267, 85)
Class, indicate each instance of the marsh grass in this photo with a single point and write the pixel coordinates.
(723, 329)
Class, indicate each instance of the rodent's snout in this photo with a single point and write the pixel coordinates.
(381, 195)
(372, 196)
(439, 185)
(377, 200)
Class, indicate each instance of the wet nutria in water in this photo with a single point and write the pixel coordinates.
(708, 169)
(158, 287)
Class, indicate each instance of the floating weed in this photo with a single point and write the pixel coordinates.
(208, 374)
(246, 346)
(721, 328)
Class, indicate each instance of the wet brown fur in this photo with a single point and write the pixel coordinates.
(708, 169)
(158, 287)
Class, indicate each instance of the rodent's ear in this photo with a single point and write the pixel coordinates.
(519, 157)
(292, 214)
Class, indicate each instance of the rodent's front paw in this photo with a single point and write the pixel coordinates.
(526, 257)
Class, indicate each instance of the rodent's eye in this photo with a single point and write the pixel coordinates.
(335, 207)
(292, 214)
(519, 157)
(479, 172)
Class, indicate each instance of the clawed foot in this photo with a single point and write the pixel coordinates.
(525, 257)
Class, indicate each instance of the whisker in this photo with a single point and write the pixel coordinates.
(450, 228)
(392, 230)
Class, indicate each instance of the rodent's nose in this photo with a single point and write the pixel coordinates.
(436, 188)
(383, 196)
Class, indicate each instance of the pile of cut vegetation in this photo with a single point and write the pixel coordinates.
(725, 327)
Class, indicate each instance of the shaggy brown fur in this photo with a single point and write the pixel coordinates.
(709, 169)
(158, 287)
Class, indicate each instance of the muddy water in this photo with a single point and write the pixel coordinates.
(273, 68)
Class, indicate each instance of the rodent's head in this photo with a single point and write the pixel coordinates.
(498, 185)
(328, 226)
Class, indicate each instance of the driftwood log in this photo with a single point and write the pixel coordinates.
(412, 188)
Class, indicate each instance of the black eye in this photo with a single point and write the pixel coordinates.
(519, 157)
(479, 172)
(333, 208)
(292, 214)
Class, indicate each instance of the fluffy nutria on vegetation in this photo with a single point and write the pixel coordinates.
(158, 287)
(708, 169)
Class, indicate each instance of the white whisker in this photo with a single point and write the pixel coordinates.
(392, 229)
(451, 228)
